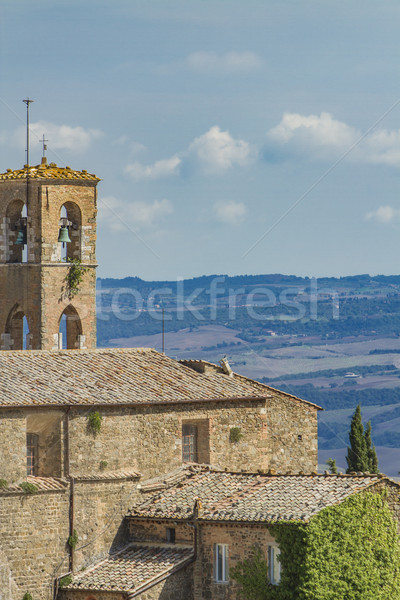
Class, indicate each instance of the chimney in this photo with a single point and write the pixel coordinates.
(226, 366)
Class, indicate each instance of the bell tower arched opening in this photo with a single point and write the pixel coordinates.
(17, 336)
(70, 329)
(70, 229)
(17, 232)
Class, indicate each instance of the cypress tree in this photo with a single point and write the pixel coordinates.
(357, 456)
(361, 454)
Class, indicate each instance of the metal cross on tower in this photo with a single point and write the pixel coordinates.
(43, 141)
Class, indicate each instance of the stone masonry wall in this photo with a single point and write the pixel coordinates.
(14, 426)
(240, 539)
(12, 446)
(156, 531)
(292, 431)
(99, 511)
(33, 535)
(149, 439)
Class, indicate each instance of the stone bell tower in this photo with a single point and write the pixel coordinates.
(39, 207)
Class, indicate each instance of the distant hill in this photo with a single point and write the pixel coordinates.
(333, 341)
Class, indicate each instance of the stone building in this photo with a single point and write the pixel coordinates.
(190, 528)
(155, 414)
(82, 428)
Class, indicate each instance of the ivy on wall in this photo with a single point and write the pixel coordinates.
(74, 276)
(347, 552)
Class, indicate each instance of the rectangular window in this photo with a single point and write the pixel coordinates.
(171, 535)
(189, 443)
(221, 566)
(32, 453)
(274, 565)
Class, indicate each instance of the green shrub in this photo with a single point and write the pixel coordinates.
(235, 435)
(94, 422)
(64, 581)
(73, 540)
(3, 483)
(27, 596)
(29, 488)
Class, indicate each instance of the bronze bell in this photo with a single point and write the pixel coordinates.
(63, 235)
(21, 237)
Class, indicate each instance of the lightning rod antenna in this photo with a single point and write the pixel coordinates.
(27, 101)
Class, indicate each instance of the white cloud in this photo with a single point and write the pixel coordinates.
(314, 131)
(384, 214)
(323, 137)
(384, 147)
(230, 212)
(161, 168)
(139, 214)
(218, 151)
(213, 152)
(60, 137)
(230, 62)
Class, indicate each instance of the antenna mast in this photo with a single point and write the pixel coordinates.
(27, 101)
(163, 332)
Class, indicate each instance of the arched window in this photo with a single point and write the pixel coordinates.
(17, 335)
(70, 222)
(70, 329)
(17, 250)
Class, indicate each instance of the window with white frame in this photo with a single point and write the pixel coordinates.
(221, 563)
(274, 565)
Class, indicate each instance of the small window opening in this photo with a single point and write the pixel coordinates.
(274, 565)
(25, 334)
(189, 443)
(171, 535)
(32, 453)
(63, 331)
(221, 566)
(69, 329)
(300, 437)
(17, 329)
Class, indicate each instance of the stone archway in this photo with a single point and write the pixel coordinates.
(71, 214)
(72, 328)
(16, 336)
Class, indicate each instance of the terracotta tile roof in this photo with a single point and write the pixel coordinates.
(250, 496)
(43, 484)
(45, 171)
(167, 479)
(107, 476)
(133, 569)
(205, 366)
(112, 376)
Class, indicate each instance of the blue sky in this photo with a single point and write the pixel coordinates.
(231, 136)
